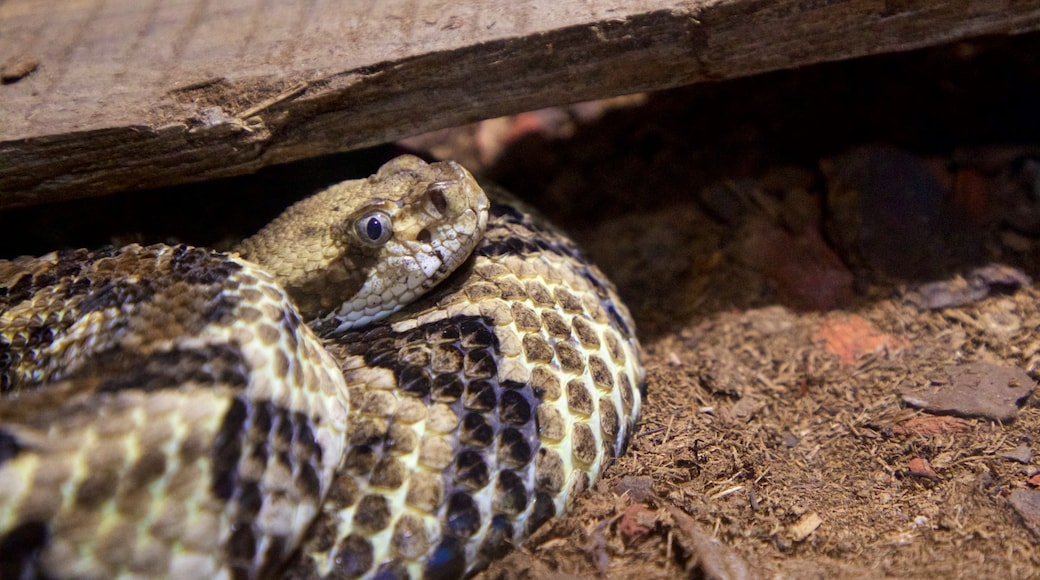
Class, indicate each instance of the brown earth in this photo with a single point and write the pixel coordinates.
(770, 235)
(800, 251)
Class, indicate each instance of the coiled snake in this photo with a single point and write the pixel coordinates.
(169, 411)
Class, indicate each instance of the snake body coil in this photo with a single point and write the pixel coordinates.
(463, 372)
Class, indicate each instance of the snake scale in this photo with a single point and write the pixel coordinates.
(397, 377)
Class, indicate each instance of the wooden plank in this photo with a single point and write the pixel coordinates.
(132, 93)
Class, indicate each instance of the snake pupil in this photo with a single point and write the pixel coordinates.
(374, 229)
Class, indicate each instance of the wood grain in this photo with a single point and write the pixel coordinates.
(142, 93)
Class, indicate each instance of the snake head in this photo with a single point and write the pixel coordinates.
(362, 249)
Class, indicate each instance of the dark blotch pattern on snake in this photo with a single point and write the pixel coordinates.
(397, 378)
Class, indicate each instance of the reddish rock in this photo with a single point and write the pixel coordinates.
(851, 336)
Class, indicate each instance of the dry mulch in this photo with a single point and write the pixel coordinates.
(805, 254)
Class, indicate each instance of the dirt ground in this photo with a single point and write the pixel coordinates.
(775, 238)
(818, 262)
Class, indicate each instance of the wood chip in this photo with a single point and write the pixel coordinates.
(714, 559)
(931, 425)
(920, 467)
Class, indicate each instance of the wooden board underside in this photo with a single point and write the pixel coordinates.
(133, 94)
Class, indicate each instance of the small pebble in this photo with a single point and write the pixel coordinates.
(1021, 454)
(1027, 503)
(805, 525)
(638, 487)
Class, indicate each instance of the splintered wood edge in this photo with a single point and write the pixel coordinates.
(296, 116)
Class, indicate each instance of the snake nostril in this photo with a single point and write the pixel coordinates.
(436, 194)
(424, 236)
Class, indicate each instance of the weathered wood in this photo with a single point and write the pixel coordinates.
(131, 94)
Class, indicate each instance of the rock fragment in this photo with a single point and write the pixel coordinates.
(975, 390)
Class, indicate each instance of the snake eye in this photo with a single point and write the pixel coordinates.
(374, 228)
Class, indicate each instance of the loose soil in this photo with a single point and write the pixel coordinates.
(800, 250)
(764, 233)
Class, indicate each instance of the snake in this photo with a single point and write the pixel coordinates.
(401, 376)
